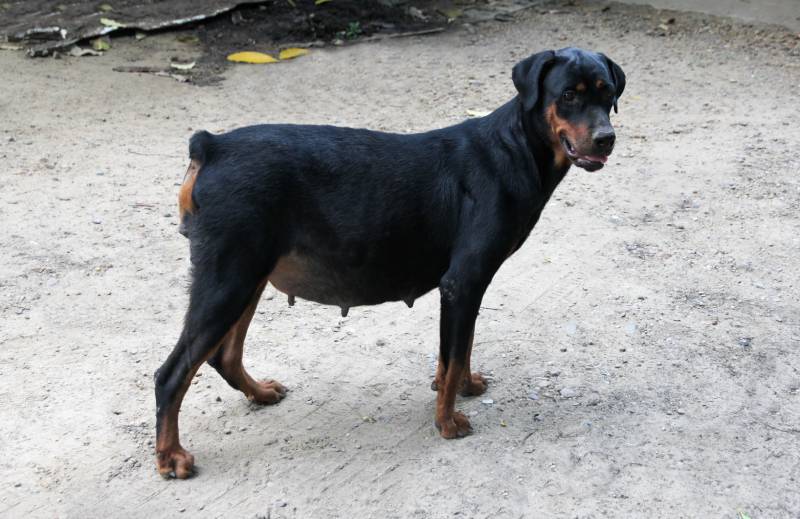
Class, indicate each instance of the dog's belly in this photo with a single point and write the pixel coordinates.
(343, 285)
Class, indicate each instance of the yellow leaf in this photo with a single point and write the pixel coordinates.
(100, 44)
(292, 53)
(106, 8)
(320, 2)
(108, 22)
(251, 57)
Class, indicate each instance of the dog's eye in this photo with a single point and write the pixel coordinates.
(569, 96)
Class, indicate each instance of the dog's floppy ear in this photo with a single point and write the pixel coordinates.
(618, 76)
(527, 76)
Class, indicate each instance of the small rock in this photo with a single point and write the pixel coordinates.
(745, 342)
(487, 401)
(680, 410)
(97, 221)
(533, 395)
(571, 328)
(631, 328)
(593, 399)
(280, 503)
(569, 392)
(17, 485)
(219, 399)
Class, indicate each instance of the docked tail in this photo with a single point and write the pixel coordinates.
(200, 146)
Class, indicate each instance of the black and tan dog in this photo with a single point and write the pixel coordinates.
(352, 217)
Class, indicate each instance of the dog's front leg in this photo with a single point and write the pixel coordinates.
(461, 293)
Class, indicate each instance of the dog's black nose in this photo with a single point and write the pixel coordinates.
(604, 140)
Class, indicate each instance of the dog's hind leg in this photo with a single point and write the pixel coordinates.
(220, 293)
(228, 360)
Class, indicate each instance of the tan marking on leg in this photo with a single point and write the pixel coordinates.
(451, 423)
(264, 392)
(474, 384)
(170, 455)
(438, 380)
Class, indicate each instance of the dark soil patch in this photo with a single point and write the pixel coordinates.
(278, 24)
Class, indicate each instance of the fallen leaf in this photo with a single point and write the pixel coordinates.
(10, 46)
(251, 57)
(188, 38)
(108, 22)
(292, 52)
(478, 113)
(182, 66)
(320, 2)
(106, 8)
(451, 13)
(80, 51)
(100, 44)
(140, 35)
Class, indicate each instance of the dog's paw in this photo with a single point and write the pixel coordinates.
(475, 384)
(267, 392)
(457, 426)
(175, 463)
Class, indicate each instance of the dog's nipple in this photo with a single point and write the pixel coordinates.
(410, 302)
(291, 299)
(345, 309)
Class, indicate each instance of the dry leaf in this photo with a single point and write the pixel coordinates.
(100, 44)
(182, 66)
(80, 51)
(188, 38)
(108, 22)
(292, 52)
(251, 57)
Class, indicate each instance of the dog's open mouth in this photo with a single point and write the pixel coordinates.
(587, 162)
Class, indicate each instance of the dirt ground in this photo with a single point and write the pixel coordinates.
(642, 345)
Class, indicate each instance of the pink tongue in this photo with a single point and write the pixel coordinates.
(596, 158)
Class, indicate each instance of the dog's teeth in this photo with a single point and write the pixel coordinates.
(291, 300)
(345, 309)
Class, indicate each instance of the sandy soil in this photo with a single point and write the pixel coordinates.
(642, 345)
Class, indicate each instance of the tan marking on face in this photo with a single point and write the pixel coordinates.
(599, 84)
(578, 136)
(581, 87)
(185, 202)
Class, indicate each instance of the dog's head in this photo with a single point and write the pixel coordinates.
(571, 93)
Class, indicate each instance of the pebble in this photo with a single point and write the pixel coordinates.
(680, 410)
(97, 221)
(594, 399)
(569, 392)
(745, 342)
(487, 401)
(533, 395)
(280, 503)
(571, 328)
(631, 328)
